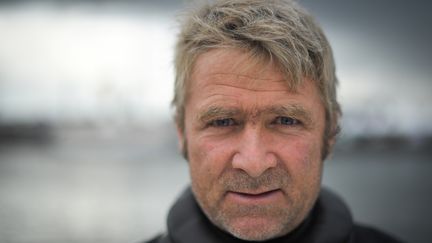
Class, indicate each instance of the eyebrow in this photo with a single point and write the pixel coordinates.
(217, 112)
(292, 110)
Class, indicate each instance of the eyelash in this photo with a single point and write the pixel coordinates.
(224, 122)
(286, 121)
(280, 120)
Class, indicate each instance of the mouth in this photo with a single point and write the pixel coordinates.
(255, 197)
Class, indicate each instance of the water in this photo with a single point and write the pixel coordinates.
(117, 187)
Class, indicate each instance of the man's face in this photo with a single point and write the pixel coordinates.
(254, 146)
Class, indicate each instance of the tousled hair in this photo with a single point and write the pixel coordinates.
(279, 31)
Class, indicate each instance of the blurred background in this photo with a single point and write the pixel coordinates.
(87, 146)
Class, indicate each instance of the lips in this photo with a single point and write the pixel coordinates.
(254, 197)
(256, 194)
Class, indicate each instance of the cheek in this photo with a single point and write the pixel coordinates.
(302, 157)
(208, 159)
(207, 162)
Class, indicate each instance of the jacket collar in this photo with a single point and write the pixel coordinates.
(329, 221)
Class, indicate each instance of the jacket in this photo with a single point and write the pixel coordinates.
(329, 221)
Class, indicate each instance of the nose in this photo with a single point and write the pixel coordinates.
(253, 155)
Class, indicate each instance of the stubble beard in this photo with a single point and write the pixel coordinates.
(226, 221)
(279, 220)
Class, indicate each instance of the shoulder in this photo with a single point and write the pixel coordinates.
(362, 233)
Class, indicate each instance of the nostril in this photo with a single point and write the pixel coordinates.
(253, 164)
(271, 160)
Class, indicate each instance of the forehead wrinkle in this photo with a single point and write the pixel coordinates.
(249, 88)
(230, 80)
(243, 76)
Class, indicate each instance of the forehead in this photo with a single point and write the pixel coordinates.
(237, 66)
(233, 77)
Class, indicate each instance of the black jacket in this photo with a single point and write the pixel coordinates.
(329, 222)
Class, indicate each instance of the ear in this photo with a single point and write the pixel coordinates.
(180, 138)
(331, 141)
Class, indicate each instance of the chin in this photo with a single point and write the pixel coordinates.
(257, 235)
(255, 229)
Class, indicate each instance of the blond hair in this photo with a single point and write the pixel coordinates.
(272, 30)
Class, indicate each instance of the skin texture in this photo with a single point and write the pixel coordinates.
(253, 145)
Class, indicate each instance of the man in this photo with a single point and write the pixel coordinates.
(256, 113)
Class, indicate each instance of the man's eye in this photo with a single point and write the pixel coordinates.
(223, 122)
(287, 121)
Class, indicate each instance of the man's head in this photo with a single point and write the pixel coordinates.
(256, 112)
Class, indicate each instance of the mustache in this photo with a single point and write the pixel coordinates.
(238, 180)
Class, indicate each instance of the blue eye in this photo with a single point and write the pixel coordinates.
(223, 122)
(287, 121)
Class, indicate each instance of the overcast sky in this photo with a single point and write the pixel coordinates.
(112, 61)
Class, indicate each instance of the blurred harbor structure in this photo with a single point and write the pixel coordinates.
(93, 186)
(87, 145)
